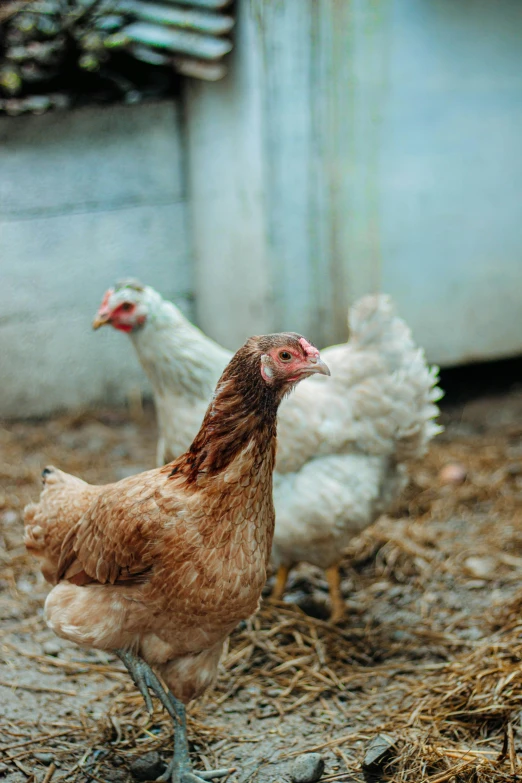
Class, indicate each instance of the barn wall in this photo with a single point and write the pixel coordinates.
(387, 135)
(86, 197)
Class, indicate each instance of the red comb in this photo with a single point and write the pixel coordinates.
(310, 350)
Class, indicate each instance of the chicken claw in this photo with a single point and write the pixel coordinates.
(179, 770)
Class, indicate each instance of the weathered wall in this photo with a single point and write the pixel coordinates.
(361, 146)
(86, 197)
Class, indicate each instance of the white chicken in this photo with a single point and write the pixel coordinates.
(343, 441)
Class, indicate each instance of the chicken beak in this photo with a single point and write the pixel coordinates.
(317, 365)
(101, 320)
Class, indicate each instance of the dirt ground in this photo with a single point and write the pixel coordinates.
(430, 652)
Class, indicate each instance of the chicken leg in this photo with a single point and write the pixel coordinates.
(280, 583)
(334, 583)
(179, 770)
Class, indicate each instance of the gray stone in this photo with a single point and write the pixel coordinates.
(45, 758)
(116, 775)
(148, 767)
(51, 648)
(307, 768)
(378, 752)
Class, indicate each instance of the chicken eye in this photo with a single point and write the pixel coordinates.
(126, 306)
(285, 356)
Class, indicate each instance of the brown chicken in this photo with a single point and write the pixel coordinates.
(160, 567)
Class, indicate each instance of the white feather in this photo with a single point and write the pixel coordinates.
(342, 441)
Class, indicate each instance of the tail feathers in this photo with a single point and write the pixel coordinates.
(373, 324)
(394, 409)
(395, 413)
(63, 500)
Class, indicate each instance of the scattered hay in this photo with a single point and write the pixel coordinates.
(430, 653)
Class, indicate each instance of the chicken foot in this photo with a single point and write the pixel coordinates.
(179, 770)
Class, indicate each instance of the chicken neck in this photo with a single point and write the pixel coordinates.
(241, 417)
(178, 358)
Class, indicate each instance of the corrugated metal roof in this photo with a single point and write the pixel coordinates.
(42, 38)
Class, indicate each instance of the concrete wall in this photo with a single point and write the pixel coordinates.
(363, 146)
(86, 197)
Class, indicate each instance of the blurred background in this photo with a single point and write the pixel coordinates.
(263, 164)
(339, 148)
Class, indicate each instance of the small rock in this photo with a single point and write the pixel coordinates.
(148, 767)
(476, 584)
(481, 567)
(401, 636)
(378, 752)
(51, 648)
(3, 769)
(307, 768)
(45, 758)
(249, 695)
(473, 633)
(233, 708)
(452, 473)
(116, 775)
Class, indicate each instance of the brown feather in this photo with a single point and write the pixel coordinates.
(167, 562)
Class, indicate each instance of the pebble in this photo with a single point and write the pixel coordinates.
(378, 751)
(233, 708)
(307, 768)
(473, 633)
(148, 767)
(453, 473)
(51, 648)
(481, 567)
(45, 758)
(248, 695)
(116, 775)
(3, 769)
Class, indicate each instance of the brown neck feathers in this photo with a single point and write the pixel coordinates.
(243, 407)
